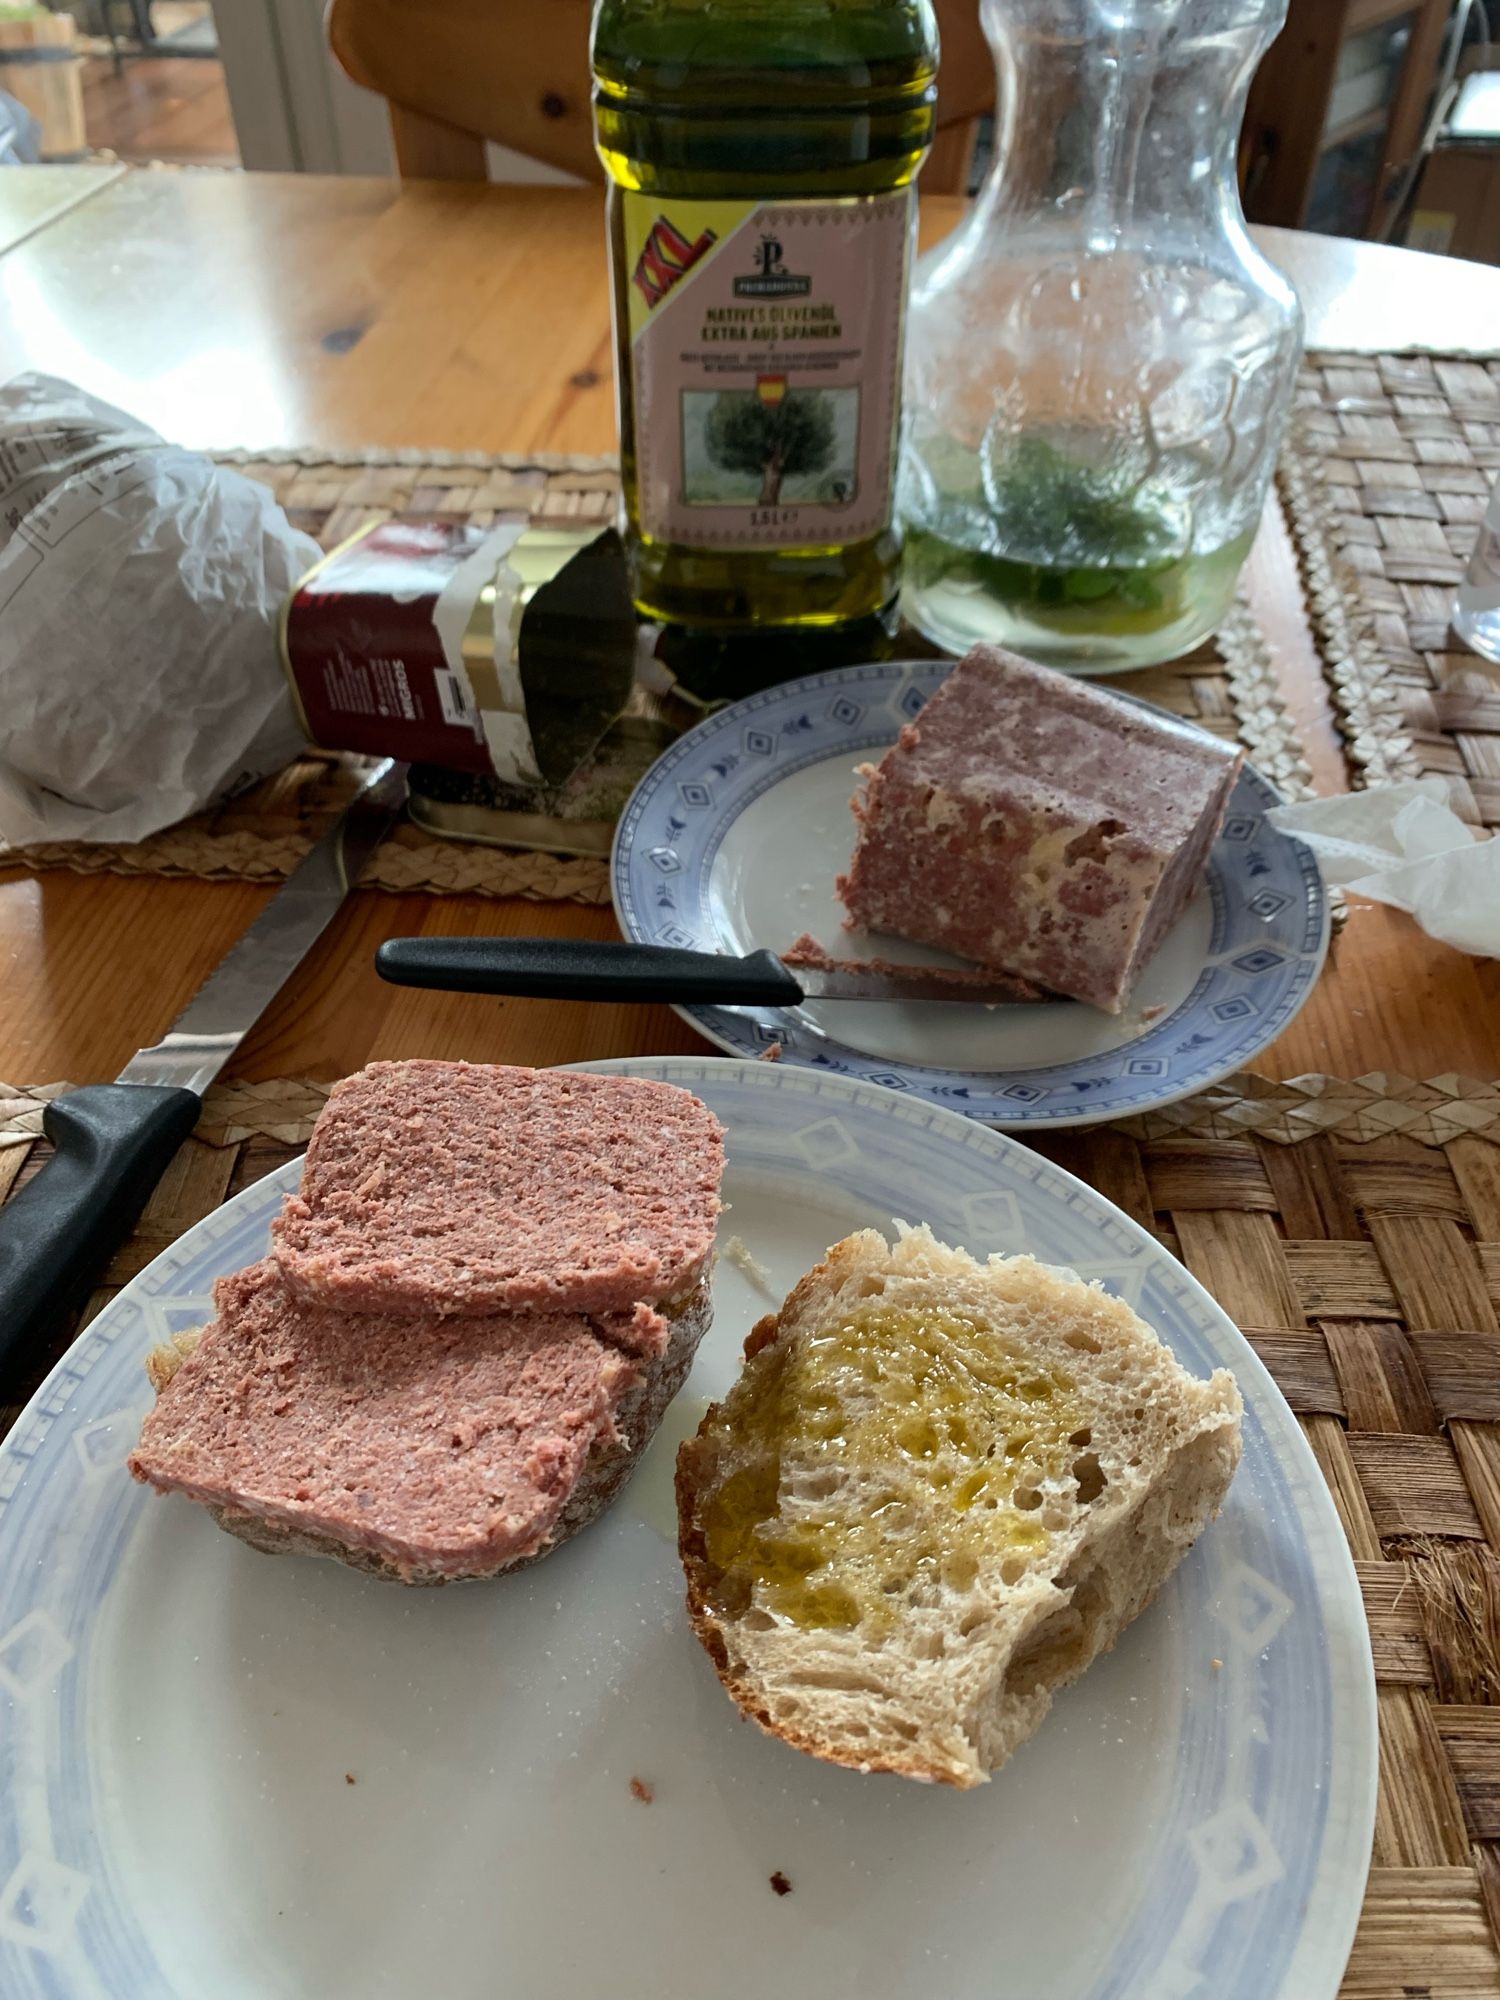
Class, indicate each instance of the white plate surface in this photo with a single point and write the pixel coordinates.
(181, 1717)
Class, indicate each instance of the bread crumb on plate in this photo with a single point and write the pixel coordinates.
(749, 1265)
(780, 1884)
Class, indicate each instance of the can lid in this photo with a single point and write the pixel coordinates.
(574, 642)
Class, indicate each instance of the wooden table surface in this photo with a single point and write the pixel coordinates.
(33, 199)
(271, 310)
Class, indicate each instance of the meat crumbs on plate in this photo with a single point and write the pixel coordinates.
(642, 1790)
(780, 1884)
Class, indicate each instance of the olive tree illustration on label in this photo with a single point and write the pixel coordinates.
(764, 343)
(770, 446)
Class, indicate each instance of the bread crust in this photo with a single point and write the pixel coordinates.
(1212, 1436)
(695, 1459)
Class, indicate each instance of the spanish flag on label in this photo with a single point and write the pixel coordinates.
(764, 356)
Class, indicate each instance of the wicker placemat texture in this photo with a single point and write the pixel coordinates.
(262, 835)
(1367, 1277)
(1390, 465)
(1357, 1110)
(1363, 1262)
(1228, 685)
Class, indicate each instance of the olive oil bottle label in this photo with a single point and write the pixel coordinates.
(765, 358)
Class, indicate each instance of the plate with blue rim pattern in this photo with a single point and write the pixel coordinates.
(731, 843)
(231, 1774)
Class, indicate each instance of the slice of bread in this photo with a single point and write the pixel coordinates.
(938, 1490)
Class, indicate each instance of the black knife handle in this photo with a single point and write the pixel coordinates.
(584, 969)
(113, 1143)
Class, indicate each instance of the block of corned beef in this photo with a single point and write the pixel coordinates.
(1032, 822)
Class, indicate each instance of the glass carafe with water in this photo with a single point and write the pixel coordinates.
(1099, 360)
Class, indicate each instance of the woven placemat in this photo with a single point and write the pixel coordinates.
(1364, 1266)
(1356, 1110)
(262, 835)
(1386, 476)
(1228, 685)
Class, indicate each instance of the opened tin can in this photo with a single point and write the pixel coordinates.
(498, 660)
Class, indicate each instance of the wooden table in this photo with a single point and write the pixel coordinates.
(30, 201)
(295, 310)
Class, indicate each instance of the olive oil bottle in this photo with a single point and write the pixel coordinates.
(761, 157)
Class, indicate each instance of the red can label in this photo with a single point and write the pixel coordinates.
(373, 641)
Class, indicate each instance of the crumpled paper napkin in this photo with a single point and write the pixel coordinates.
(1401, 844)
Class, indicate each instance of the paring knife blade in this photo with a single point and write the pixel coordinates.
(113, 1141)
(915, 982)
(253, 971)
(584, 969)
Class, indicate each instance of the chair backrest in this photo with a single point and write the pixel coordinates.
(458, 72)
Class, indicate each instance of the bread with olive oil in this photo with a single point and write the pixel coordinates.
(938, 1490)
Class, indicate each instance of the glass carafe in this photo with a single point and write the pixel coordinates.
(1099, 360)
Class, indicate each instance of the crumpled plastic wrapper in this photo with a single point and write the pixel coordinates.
(140, 591)
(20, 134)
(1400, 844)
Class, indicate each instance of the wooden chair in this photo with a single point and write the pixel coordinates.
(458, 72)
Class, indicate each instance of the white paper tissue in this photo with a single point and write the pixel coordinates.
(140, 588)
(1400, 844)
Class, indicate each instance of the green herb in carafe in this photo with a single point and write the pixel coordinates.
(1096, 571)
(1100, 361)
(761, 157)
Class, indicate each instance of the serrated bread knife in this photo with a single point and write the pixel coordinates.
(114, 1141)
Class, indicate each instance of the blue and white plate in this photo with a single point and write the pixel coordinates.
(258, 1778)
(732, 842)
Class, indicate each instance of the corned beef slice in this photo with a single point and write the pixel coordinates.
(448, 1447)
(449, 1188)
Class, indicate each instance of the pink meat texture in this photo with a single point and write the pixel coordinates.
(436, 1188)
(805, 953)
(447, 1447)
(1031, 822)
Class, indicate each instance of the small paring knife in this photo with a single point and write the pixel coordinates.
(114, 1141)
(583, 969)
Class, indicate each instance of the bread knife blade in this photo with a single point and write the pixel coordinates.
(587, 969)
(113, 1141)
